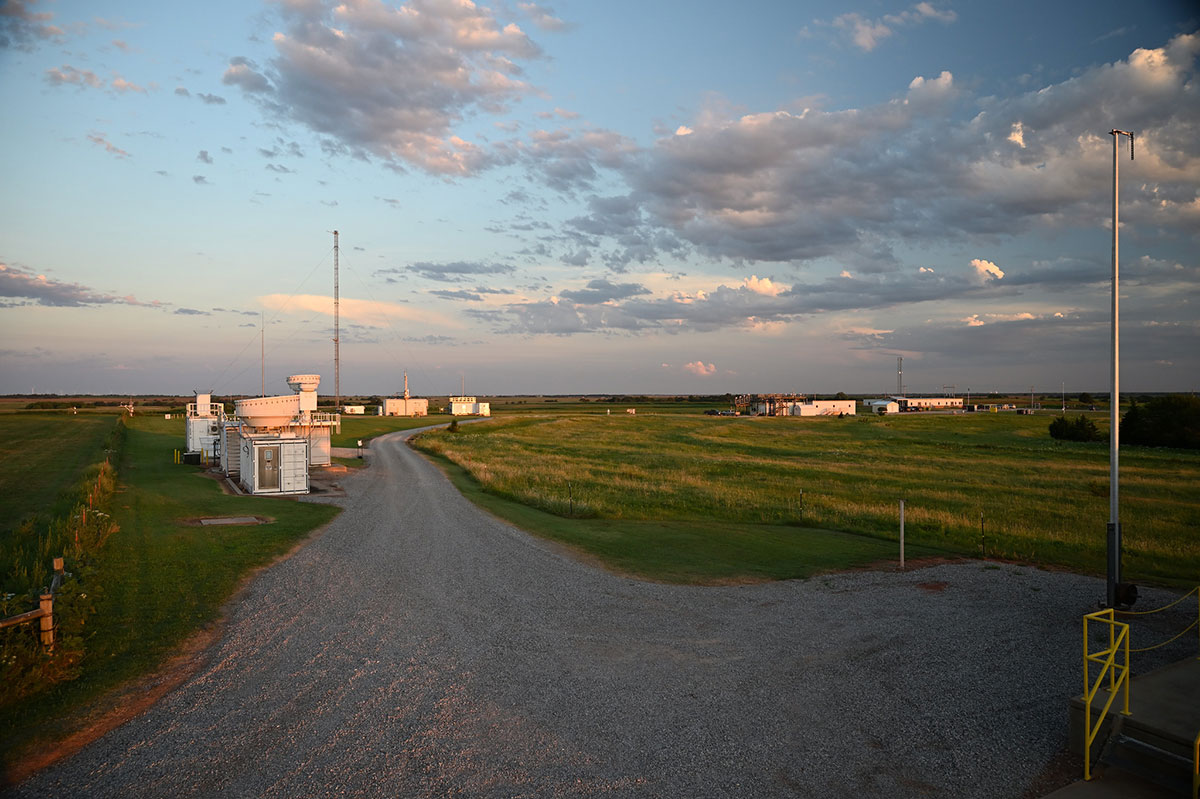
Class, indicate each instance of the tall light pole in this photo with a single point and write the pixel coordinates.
(1114, 510)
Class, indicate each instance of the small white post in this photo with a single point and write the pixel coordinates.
(901, 535)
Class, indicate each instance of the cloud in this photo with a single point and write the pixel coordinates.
(543, 17)
(985, 272)
(449, 272)
(1017, 136)
(191, 312)
(373, 313)
(391, 82)
(18, 282)
(763, 286)
(182, 92)
(856, 185)
(110, 148)
(599, 291)
(203, 157)
(21, 27)
(69, 75)
(700, 368)
(211, 99)
(866, 34)
(200, 180)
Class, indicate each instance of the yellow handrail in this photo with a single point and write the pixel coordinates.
(1118, 677)
(1196, 768)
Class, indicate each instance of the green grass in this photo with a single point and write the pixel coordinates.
(687, 552)
(158, 579)
(41, 456)
(365, 428)
(1043, 501)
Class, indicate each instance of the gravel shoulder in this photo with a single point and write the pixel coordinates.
(420, 647)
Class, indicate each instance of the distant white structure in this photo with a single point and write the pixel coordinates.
(354, 410)
(774, 406)
(927, 403)
(884, 405)
(469, 406)
(406, 406)
(202, 426)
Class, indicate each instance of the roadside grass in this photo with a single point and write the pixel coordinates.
(365, 428)
(41, 456)
(1042, 501)
(158, 579)
(689, 552)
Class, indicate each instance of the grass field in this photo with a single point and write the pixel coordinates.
(41, 456)
(1042, 501)
(159, 578)
(365, 428)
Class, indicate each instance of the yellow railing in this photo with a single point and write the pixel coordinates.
(1118, 677)
(1196, 767)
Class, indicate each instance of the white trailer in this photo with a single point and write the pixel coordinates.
(274, 465)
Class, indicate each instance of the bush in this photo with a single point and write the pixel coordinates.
(453, 428)
(1081, 429)
(1171, 421)
(1086, 398)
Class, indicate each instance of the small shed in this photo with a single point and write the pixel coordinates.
(274, 465)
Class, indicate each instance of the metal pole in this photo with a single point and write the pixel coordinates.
(262, 329)
(1114, 438)
(337, 365)
(901, 535)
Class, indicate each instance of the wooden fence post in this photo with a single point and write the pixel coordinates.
(46, 604)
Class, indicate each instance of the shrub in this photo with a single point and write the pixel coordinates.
(453, 428)
(1081, 429)
(1171, 421)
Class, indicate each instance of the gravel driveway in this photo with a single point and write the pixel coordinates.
(421, 648)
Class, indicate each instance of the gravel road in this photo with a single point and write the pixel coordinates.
(421, 648)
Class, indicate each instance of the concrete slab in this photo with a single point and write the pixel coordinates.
(231, 520)
(1112, 784)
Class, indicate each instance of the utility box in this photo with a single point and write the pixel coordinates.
(274, 465)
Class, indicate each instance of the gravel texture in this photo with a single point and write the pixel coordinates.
(421, 648)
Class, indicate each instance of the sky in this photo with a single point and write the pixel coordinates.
(597, 197)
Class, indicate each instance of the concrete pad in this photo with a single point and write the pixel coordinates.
(1112, 784)
(230, 520)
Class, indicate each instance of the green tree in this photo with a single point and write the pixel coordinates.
(1171, 421)
(1079, 429)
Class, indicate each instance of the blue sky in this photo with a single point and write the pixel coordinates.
(596, 197)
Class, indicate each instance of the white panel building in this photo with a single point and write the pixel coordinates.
(273, 464)
(469, 406)
(406, 405)
(202, 426)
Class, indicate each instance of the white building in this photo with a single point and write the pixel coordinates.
(264, 443)
(202, 426)
(406, 405)
(927, 403)
(469, 406)
(786, 406)
(884, 405)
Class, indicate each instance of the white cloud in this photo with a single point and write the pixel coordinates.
(1017, 136)
(700, 368)
(985, 272)
(866, 34)
(373, 313)
(762, 286)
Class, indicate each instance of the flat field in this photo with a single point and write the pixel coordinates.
(355, 428)
(1041, 501)
(41, 456)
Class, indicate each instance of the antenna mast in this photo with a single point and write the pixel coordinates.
(1114, 510)
(337, 366)
(899, 375)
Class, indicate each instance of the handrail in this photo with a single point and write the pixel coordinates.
(1118, 638)
(1168, 606)
(1196, 767)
